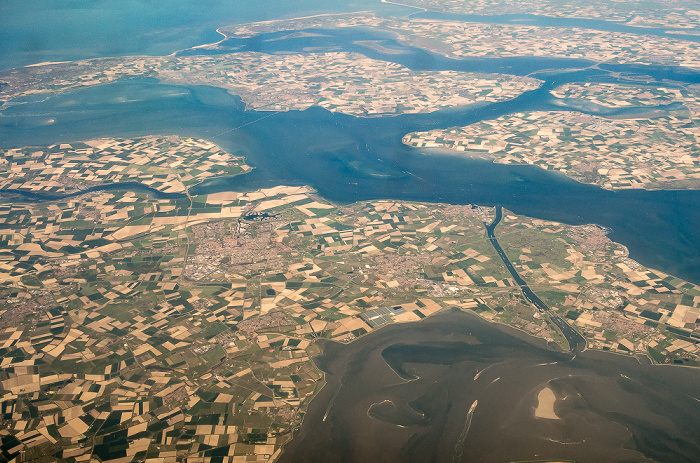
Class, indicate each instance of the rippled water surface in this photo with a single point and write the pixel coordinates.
(454, 388)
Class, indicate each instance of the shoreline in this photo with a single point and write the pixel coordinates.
(406, 6)
(281, 20)
(509, 330)
(485, 155)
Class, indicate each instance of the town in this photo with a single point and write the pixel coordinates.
(135, 326)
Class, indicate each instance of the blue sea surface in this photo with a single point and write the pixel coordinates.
(35, 31)
(345, 158)
(349, 159)
(567, 22)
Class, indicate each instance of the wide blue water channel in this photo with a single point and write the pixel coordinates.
(351, 159)
(35, 31)
(551, 21)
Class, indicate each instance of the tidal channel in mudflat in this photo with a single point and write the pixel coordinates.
(454, 388)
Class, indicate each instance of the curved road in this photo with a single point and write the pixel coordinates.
(576, 342)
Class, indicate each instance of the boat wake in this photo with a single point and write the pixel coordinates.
(459, 446)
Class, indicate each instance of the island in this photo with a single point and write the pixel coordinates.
(153, 309)
(653, 147)
(342, 82)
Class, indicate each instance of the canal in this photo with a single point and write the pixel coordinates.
(576, 342)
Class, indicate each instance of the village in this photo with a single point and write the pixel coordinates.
(135, 327)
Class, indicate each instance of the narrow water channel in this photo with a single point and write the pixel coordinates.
(576, 342)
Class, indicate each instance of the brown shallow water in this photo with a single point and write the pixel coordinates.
(404, 394)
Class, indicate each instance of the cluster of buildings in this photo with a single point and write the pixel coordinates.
(138, 328)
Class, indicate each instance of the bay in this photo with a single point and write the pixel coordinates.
(454, 388)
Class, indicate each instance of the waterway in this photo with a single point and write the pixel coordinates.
(29, 196)
(35, 31)
(551, 21)
(350, 159)
(415, 385)
(576, 342)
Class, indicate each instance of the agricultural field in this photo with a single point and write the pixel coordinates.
(343, 82)
(136, 327)
(655, 148)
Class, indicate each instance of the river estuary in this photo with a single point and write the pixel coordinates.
(452, 387)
